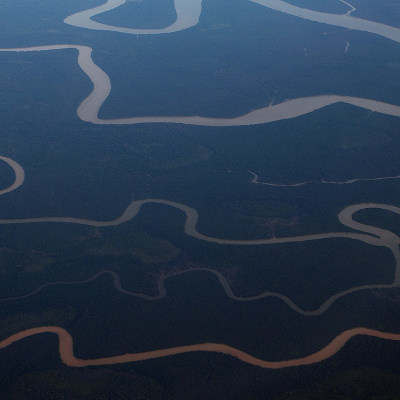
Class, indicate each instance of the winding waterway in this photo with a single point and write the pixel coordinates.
(66, 349)
(322, 181)
(187, 11)
(89, 108)
(188, 15)
(370, 235)
(19, 175)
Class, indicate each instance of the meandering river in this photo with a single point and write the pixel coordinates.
(188, 15)
(67, 351)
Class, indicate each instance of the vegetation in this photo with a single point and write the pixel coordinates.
(239, 57)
